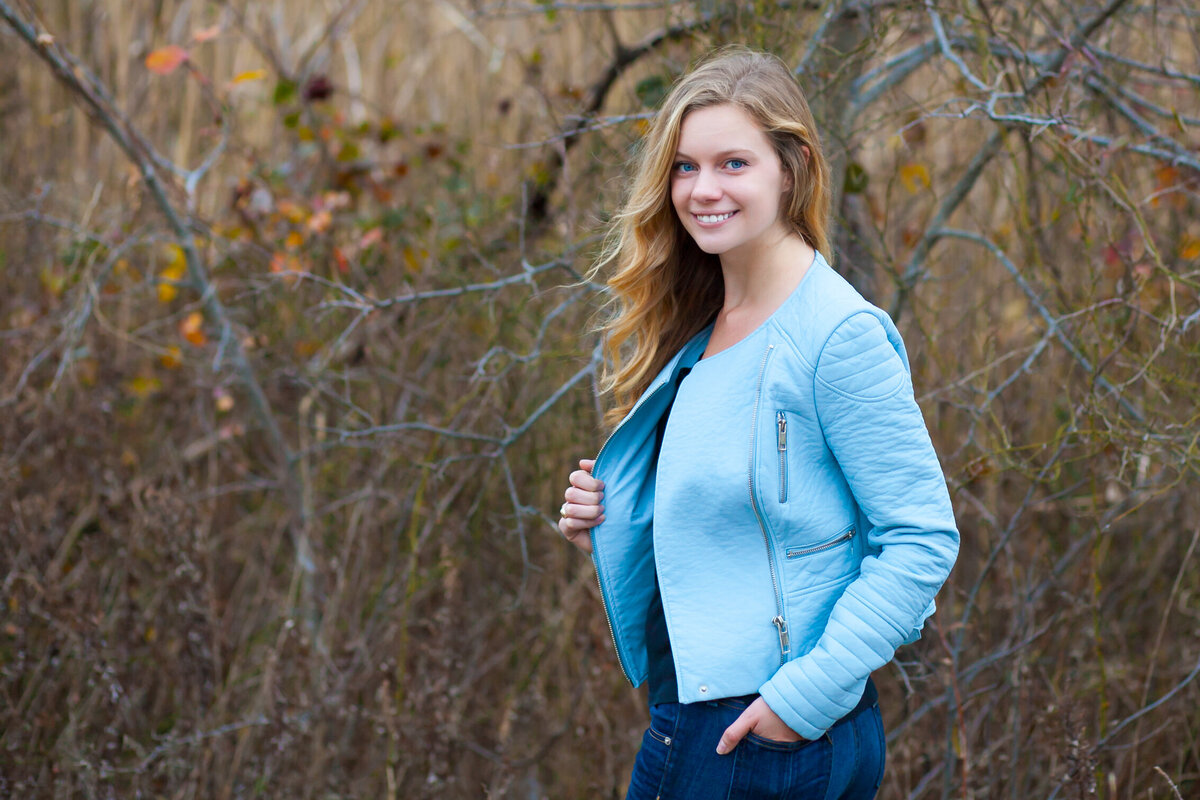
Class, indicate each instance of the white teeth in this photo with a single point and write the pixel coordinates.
(710, 218)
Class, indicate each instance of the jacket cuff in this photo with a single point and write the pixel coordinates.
(806, 718)
(817, 689)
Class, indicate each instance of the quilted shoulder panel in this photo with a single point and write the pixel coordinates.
(861, 361)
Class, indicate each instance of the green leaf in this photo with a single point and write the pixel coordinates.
(388, 130)
(393, 219)
(650, 91)
(856, 179)
(285, 91)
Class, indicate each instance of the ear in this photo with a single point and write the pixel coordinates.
(807, 153)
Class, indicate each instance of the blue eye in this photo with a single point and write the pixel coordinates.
(736, 163)
(683, 166)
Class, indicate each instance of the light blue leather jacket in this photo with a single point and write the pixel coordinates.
(847, 532)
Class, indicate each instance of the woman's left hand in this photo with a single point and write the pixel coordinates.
(757, 717)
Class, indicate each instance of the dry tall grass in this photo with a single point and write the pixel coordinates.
(334, 573)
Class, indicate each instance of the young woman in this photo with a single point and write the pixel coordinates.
(768, 519)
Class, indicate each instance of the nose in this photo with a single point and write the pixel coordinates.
(706, 186)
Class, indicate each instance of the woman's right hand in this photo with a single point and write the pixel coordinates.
(582, 510)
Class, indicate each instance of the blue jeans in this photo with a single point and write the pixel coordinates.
(678, 759)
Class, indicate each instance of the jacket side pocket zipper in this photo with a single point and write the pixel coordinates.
(781, 442)
(800, 552)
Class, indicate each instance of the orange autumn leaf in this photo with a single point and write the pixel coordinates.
(172, 358)
(1167, 176)
(320, 221)
(412, 259)
(247, 76)
(283, 262)
(292, 212)
(191, 328)
(370, 238)
(1189, 247)
(172, 274)
(339, 258)
(914, 177)
(166, 60)
(1168, 189)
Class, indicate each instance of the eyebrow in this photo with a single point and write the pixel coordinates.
(737, 151)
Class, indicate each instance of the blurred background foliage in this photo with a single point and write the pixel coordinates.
(282, 439)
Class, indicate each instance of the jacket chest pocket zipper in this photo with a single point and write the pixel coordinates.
(781, 445)
(800, 552)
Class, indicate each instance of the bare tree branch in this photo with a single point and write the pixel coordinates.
(99, 104)
(1052, 326)
(915, 267)
(950, 203)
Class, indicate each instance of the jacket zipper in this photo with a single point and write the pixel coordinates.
(603, 591)
(781, 438)
(778, 621)
(808, 551)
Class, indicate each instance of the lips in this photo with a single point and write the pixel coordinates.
(712, 219)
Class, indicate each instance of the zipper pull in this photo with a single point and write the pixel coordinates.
(781, 423)
(784, 642)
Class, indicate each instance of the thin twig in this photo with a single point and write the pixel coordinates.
(1052, 325)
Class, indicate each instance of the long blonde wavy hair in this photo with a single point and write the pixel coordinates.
(664, 288)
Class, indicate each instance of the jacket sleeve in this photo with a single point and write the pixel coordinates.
(874, 428)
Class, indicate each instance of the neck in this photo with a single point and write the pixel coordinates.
(767, 274)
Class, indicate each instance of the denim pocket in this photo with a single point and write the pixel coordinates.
(664, 719)
(767, 768)
(661, 738)
(775, 744)
(859, 753)
(656, 756)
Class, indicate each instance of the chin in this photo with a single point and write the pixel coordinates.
(708, 246)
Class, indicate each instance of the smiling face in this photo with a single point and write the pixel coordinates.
(727, 183)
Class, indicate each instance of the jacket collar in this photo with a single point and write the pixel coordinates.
(687, 356)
